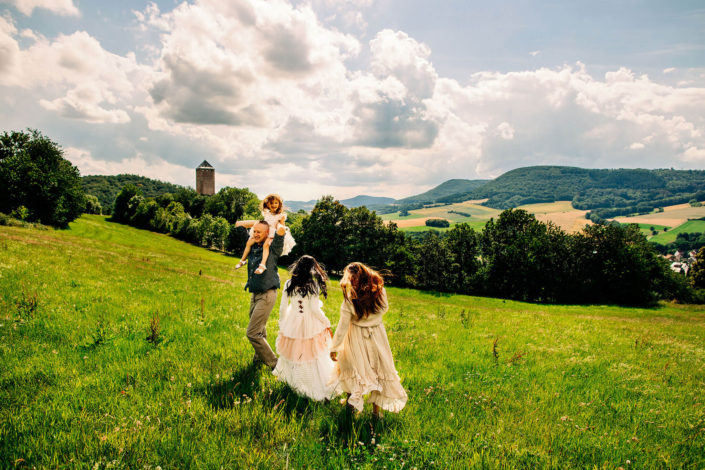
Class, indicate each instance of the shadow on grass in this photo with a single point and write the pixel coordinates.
(244, 381)
(348, 428)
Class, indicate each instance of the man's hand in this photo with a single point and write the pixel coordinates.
(281, 230)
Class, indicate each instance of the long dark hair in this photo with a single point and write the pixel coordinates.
(307, 277)
(363, 286)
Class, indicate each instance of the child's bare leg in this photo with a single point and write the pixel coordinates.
(265, 255)
(246, 253)
(376, 410)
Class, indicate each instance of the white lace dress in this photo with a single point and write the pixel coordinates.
(303, 346)
(273, 220)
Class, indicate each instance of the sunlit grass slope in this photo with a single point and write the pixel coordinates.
(491, 384)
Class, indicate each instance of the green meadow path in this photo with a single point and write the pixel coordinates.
(491, 383)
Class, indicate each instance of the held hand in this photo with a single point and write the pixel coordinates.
(334, 356)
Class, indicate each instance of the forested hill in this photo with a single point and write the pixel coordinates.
(448, 188)
(620, 190)
(106, 187)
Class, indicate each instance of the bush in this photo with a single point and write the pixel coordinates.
(437, 223)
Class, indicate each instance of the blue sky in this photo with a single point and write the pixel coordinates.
(353, 97)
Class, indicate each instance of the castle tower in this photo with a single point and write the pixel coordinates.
(205, 179)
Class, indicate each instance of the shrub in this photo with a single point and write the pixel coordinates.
(437, 223)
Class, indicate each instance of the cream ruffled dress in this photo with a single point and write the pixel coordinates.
(303, 345)
(365, 364)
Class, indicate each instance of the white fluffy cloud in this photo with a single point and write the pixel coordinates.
(60, 7)
(266, 92)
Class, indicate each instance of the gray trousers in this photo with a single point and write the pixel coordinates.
(261, 305)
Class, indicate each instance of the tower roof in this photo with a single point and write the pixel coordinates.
(205, 164)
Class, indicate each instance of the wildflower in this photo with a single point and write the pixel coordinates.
(188, 385)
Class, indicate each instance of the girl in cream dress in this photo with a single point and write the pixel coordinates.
(364, 363)
(304, 337)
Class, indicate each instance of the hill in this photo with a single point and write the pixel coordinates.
(443, 190)
(369, 201)
(607, 192)
(491, 383)
(107, 187)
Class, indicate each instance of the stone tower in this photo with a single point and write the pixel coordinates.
(205, 179)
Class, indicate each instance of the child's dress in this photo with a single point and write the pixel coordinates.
(365, 364)
(303, 346)
(273, 220)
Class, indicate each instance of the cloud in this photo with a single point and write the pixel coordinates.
(84, 102)
(279, 99)
(60, 7)
(159, 169)
(506, 131)
(88, 80)
(534, 53)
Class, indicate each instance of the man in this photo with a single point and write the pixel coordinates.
(263, 288)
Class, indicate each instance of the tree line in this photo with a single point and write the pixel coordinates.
(513, 257)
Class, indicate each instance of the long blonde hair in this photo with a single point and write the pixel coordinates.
(272, 197)
(362, 286)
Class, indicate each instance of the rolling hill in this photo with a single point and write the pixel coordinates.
(107, 187)
(443, 190)
(609, 192)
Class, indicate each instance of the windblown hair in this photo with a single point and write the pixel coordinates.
(307, 278)
(272, 197)
(363, 286)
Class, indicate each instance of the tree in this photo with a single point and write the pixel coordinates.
(697, 271)
(433, 268)
(464, 247)
(520, 257)
(121, 207)
(35, 174)
(322, 234)
(93, 205)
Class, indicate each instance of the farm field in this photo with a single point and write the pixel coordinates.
(560, 213)
(672, 216)
(688, 227)
(491, 383)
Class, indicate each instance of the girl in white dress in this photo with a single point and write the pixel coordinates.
(304, 337)
(272, 208)
(364, 362)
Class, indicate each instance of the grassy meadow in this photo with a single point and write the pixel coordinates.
(688, 227)
(122, 348)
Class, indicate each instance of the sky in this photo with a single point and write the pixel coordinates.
(350, 97)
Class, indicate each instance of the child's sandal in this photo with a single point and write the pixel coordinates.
(241, 264)
(260, 269)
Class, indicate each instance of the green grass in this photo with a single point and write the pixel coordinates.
(475, 224)
(665, 238)
(563, 387)
(647, 231)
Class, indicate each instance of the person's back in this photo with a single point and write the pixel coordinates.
(304, 333)
(364, 358)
